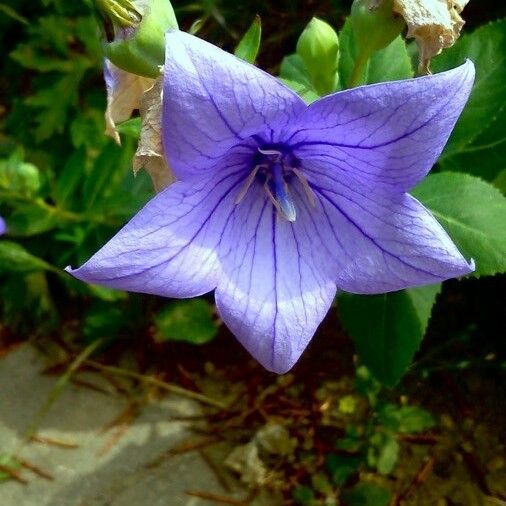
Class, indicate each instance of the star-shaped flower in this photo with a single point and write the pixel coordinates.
(279, 204)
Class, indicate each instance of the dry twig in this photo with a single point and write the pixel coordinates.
(169, 387)
(216, 498)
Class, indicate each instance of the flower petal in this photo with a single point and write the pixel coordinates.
(382, 244)
(387, 135)
(214, 101)
(169, 247)
(3, 226)
(276, 283)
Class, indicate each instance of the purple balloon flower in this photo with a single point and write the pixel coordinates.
(279, 204)
(3, 226)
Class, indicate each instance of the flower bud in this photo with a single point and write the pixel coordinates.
(375, 25)
(135, 33)
(19, 176)
(318, 46)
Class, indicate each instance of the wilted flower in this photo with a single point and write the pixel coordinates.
(150, 153)
(434, 24)
(278, 204)
(126, 93)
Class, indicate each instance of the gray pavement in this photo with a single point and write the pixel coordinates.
(101, 470)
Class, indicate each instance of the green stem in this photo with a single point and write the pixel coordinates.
(358, 69)
(56, 211)
(55, 393)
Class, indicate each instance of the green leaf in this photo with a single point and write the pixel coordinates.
(70, 177)
(294, 74)
(349, 54)
(54, 104)
(131, 128)
(500, 181)
(86, 129)
(15, 258)
(248, 47)
(33, 218)
(9, 11)
(366, 494)
(32, 58)
(197, 25)
(102, 292)
(383, 452)
(485, 156)
(423, 299)
(341, 467)
(102, 321)
(303, 496)
(405, 419)
(388, 64)
(294, 69)
(8, 462)
(106, 172)
(187, 320)
(320, 483)
(367, 385)
(307, 94)
(27, 305)
(486, 47)
(473, 213)
(390, 335)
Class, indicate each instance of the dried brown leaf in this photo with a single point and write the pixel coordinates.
(245, 461)
(149, 154)
(124, 92)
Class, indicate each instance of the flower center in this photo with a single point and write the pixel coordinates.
(274, 170)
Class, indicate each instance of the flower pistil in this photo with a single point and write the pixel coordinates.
(274, 169)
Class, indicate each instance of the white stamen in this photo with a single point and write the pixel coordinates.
(270, 152)
(307, 189)
(276, 171)
(275, 203)
(248, 183)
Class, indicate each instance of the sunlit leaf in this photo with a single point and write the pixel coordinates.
(15, 258)
(473, 213)
(187, 320)
(248, 47)
(486, 47)
(387, 339)
(367, 494)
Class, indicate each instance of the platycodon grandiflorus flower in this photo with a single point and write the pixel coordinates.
(279, 204)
